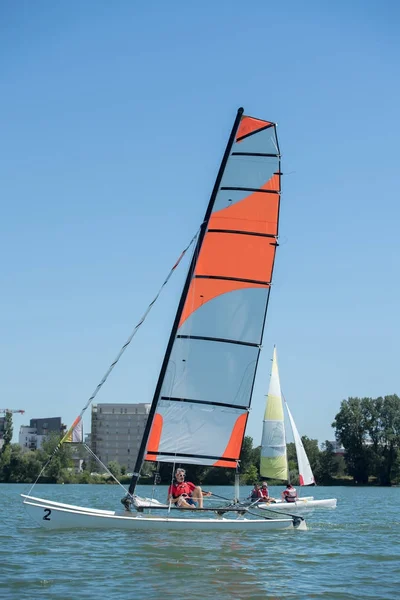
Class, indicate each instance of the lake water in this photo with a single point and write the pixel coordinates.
(350, 552)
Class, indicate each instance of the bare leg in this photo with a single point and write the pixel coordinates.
(198, 496)
(183, 504)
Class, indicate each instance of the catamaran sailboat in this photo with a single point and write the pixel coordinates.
(202, 398)
(274, 462)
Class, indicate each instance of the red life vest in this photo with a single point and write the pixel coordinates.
(290, 495)
(185, 488)
(255, 494)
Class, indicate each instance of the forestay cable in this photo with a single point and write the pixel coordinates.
(69, 435)
(128, 341)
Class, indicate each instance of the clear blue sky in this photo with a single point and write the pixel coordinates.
(114, 117)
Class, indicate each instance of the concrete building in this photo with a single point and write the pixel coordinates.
(117, 431)
(31, 436)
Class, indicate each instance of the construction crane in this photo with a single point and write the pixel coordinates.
(10, 410)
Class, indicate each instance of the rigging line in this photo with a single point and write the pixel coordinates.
(91, 452)
(128, 341)
(124, 347)
(171, 482)
(104, 466)
(41, 472)
(294, 517)
(276, 512)
(222, 497)
(155, 481)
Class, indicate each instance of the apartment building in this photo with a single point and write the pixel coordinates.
(31, 436)
(117, 431)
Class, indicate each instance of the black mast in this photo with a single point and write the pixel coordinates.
(203, 229)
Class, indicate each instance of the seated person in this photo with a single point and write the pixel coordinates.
(289, 494)
(265, 493)
(255, 493)
(185, 494)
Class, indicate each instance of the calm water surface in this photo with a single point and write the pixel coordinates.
(351, 552)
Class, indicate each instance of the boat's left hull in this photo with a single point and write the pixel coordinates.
(54, 515)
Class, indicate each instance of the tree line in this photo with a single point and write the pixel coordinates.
(368, 429)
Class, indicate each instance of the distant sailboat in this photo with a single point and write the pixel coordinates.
(274, 461)
(202, 399)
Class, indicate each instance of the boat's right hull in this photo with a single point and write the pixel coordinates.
(54, 515)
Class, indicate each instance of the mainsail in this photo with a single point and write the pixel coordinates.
(273, 462)
(202, 398)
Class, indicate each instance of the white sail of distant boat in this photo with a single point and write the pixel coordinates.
(274, 461)
(306, 476)
(202, 398)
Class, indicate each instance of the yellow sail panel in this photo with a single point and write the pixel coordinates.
(274, 467)
(273, 462)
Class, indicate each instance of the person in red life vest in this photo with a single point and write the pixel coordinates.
(184, 493)
(290, 494)
(256, 493)
(264, 491)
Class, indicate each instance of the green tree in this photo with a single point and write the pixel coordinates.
(246, 454)
(59, 457)
(114, 468)
(369, 429)
(8, 431)
(248, 457)
(5, 460)
(250, 476)
(256, 457)
(351, 423)
(32, 466)
(312, 451)
(390, 437)
(327, 466)
(219, 476)
(148, 469)
(292, 462)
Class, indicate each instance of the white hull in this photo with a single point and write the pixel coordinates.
(301, 505)
(54, 515)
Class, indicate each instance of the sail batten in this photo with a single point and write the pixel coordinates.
(214, 339)
(254, 154)
(239, 279)
(238, 232)
(214, 347)
(249, 189)
(194, 401)
(189, 456)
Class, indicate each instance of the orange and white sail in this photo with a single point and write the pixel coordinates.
(206, 385)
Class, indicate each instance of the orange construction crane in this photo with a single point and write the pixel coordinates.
(10, 410)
